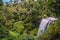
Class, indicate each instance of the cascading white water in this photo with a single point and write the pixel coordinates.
(45, 22)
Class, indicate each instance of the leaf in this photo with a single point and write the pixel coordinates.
(14, 34)
(19, 26)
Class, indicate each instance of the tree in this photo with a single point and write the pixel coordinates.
(23, 19)
(1, 2)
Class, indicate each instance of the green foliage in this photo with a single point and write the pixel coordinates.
(21, 21)
(13, 34)
(19, 26)
(1, 2)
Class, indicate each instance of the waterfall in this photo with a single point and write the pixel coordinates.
(45, 22)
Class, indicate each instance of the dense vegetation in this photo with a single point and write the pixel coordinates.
(20, 21)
